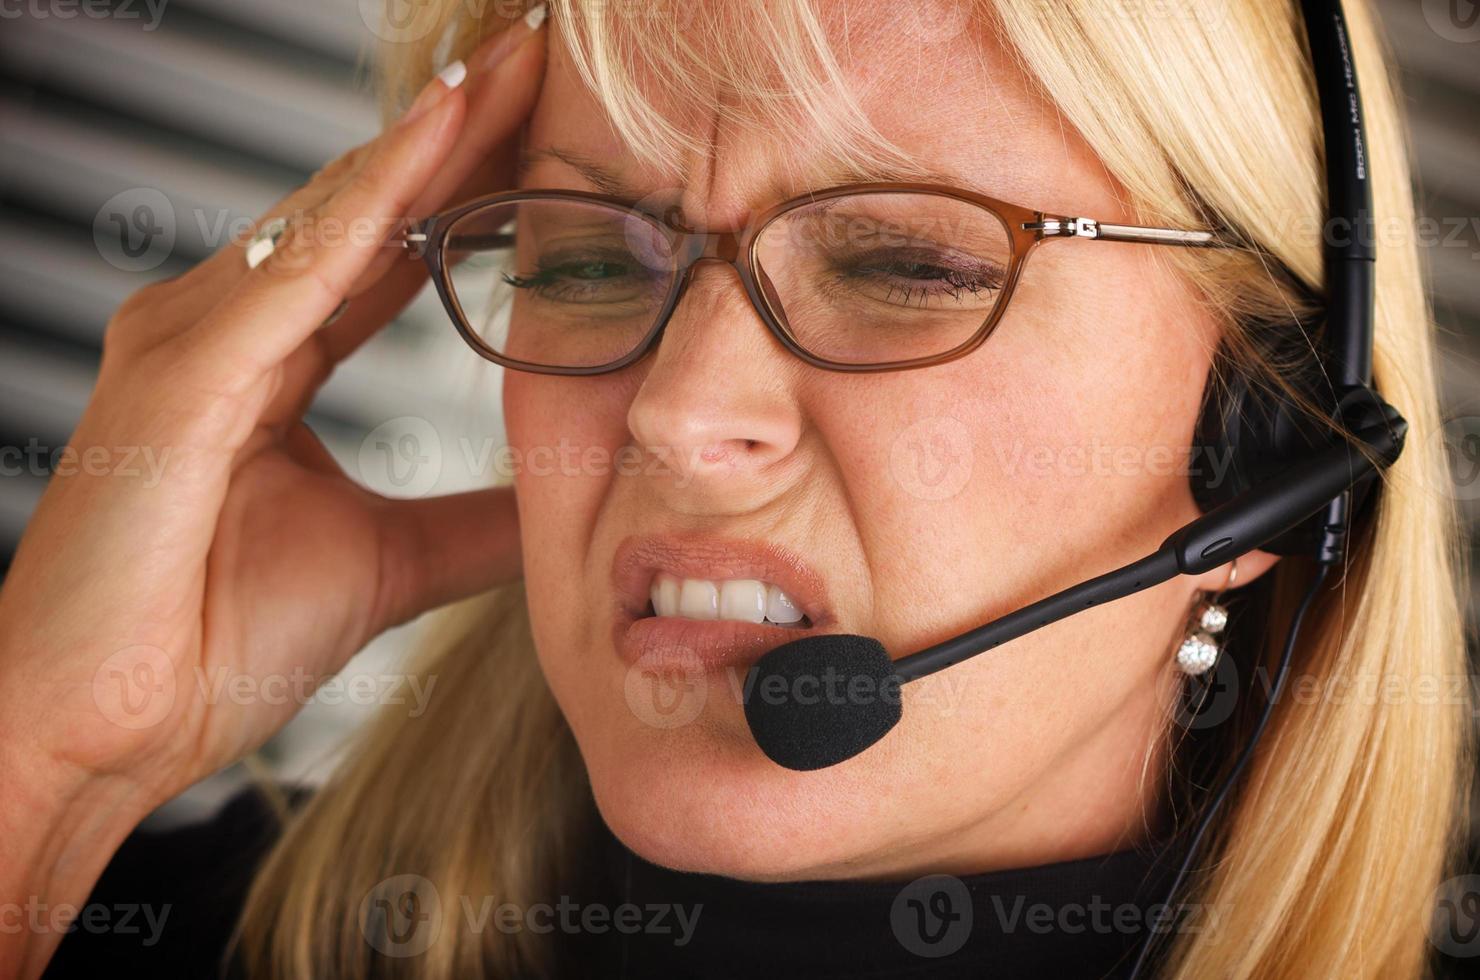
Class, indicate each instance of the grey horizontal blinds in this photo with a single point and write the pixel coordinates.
(206, 118)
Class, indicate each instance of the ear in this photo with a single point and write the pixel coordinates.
(1250, 567)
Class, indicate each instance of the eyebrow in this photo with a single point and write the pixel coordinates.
(598, 175)
(609, 181)
(849, 174)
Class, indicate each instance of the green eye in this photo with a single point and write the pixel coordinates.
(912, 277)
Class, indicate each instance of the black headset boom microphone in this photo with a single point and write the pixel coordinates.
(1289, 489)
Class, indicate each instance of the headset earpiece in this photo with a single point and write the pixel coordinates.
(1249, 431)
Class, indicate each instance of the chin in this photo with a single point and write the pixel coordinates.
(704, 799)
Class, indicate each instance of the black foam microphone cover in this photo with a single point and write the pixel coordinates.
(815, 702)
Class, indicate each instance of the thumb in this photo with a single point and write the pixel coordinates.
(441, 549)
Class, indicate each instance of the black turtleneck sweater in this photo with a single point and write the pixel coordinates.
(1080, 918)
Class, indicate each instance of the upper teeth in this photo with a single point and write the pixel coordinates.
(745, 599)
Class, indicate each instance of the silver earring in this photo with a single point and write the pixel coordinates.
(1198, 650)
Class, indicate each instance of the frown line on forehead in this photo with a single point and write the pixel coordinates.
(621, 182)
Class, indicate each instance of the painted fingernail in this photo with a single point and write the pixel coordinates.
(437, 89)
(501, 46)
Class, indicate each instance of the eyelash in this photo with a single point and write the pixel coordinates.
(954, 284)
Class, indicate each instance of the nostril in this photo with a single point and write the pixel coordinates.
(716, 454)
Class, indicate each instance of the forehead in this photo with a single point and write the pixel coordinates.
(948, 96)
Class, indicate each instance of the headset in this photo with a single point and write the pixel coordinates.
(1294, 487)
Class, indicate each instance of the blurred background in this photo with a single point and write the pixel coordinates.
(136, 134)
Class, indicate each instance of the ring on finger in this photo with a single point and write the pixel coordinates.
(265, 242)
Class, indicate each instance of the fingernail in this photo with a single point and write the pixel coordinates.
(504, 44)
(437, 89)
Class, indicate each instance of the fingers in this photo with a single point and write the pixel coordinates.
(191, 295)
(504, 78)
(407, 172)
(308, 367)
(283, 301)
(441, 549)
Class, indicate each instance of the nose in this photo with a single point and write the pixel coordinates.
(718, 397)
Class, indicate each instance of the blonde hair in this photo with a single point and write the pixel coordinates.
(1327, 860)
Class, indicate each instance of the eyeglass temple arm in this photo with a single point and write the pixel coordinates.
(1051, 227)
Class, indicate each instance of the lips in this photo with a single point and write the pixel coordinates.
(708, 644)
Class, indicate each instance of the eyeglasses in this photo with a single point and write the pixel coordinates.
(864, 277)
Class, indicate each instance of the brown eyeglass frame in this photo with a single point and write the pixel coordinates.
(1026, 229)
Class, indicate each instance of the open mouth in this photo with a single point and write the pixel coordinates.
(712, 602)
(740, 600)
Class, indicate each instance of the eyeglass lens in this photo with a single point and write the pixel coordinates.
(859, 279)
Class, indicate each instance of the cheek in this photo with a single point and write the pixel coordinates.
(566, 438)
(1057, 451)
(1059, 448)
(1091, 446)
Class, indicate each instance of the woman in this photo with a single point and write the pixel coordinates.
(585, 746)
